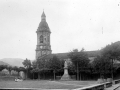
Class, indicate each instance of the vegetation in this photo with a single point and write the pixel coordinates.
(80, 61)
(103, 65)
(55, 64)
(27, 65)
(2, 67)
(112, 52)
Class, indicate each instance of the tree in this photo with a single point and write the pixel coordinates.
(34, 64)
(42, 65)
(34, 68)
(27, 65)
(71, 69)
(22, 69)
(9, 68)
(112, 51)
(55, 64)
(101, 65)
(15, 68)
(80, 60)
(2, 67)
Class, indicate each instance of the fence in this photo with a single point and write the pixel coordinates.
(100, 86)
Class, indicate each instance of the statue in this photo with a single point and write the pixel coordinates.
(65, 75)
(65, 64)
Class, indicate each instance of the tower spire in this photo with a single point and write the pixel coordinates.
(43, 14)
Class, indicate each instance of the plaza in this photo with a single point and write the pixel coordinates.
(46, 84)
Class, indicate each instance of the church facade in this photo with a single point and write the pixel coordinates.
(43, 47)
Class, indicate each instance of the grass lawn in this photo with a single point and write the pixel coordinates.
(45, 84)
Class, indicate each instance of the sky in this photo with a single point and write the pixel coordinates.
(75, 24)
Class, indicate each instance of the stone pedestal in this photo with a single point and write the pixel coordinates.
(65, 75)
(22, 75)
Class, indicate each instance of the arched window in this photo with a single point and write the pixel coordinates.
(41, 39)
(48, 39)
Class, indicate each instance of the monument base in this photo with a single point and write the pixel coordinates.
(65, 77)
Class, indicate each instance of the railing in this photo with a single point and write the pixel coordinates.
(117, 81)
(101, 86)
(92, 87)
(108, 84)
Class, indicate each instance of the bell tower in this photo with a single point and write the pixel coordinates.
(43, 46)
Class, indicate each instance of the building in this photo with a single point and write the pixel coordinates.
(43, 38)
(43, 43)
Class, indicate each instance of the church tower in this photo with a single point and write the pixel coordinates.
(43, 38)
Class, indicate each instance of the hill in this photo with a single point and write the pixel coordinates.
(12, 61)
(3, 63)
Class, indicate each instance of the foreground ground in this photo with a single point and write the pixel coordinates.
(44, 84)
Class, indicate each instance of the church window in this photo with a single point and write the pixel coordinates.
(41, 39)
(48, 39)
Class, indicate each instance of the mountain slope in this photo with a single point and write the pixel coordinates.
(13, 61)
(3, 63)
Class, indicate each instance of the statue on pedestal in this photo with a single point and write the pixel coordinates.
(65, 75)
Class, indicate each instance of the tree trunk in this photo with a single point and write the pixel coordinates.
(54, 74)
(44, 74)
(38, 75)
(80, 76)
(77, 72)
(9, 72)
(27, 74)
(112, 69)
(33, 75)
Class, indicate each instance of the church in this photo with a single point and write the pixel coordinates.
(43, 47)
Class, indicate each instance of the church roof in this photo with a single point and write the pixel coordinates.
(65, 55)
(59, 55)
(43, 26)
(93, 53)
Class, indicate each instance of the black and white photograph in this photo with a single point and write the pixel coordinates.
(60, 44)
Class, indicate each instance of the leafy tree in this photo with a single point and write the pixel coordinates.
(102, 65)
(27, 65)
(55, 64)
(9, 68)
(71, 69)
(42, 65)
(80, 60)
(112, 51)
(34, 70)
(15, 68)
(34, 67)
(38, 66)
(2, 67)
(22, 69)
(34, 64)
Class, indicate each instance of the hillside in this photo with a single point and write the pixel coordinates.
(3, 63)
(12, 61)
